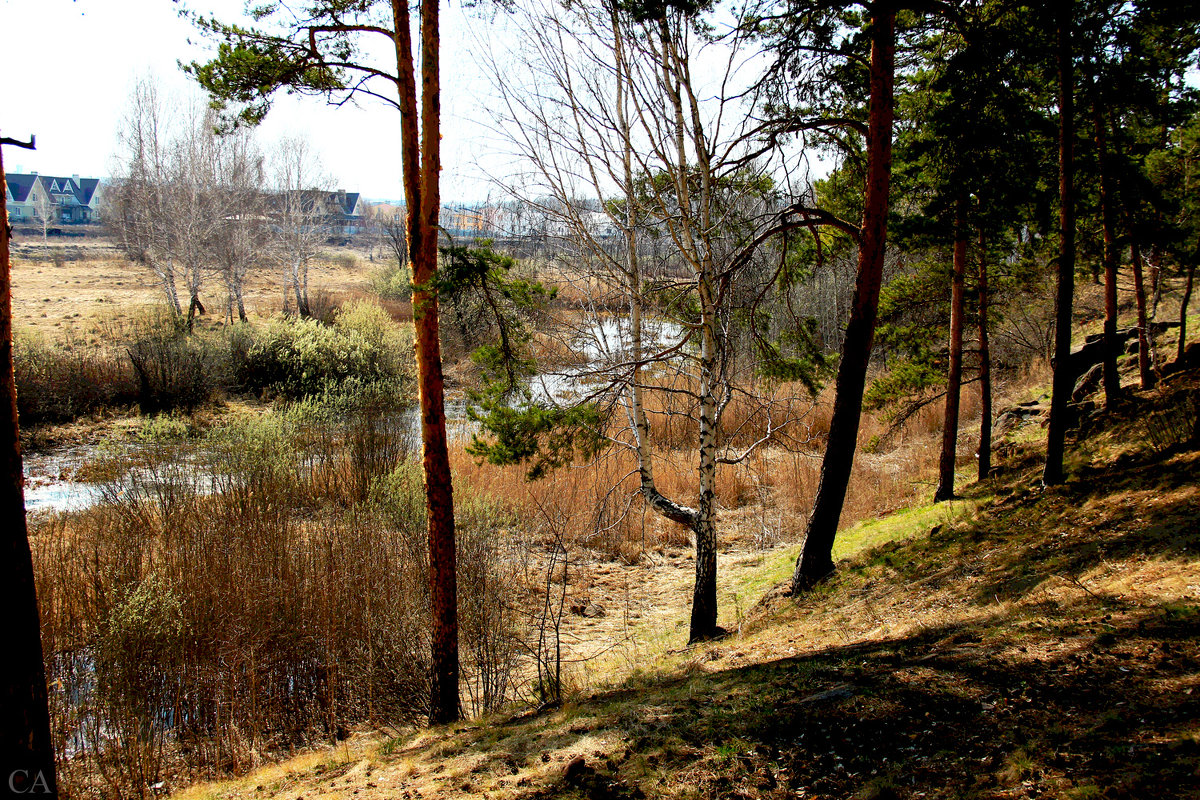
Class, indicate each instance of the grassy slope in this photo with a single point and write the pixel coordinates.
(1020, 643)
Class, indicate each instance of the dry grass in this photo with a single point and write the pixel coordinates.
(1021, 642)
(60, 287)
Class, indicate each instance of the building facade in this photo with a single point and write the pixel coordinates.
(35, 199)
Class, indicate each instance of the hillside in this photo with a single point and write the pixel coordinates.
(1020, 642)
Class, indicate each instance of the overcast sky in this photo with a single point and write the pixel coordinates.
(67, 68)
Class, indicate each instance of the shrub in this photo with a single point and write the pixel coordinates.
(175, 369)
(297, 358)
(390, 344)
(164, 428)
(58, 382)
(344, 260)
(204, 634)
(392, 281)
(322, 306)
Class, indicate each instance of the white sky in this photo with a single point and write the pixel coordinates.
(67, 68)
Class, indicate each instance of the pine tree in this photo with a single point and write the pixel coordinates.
(316, 55)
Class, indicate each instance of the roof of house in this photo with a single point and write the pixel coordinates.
(343, 203)
(81, 189)
(349, 203)
(19, 186)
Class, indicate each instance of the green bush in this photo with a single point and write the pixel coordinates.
(390, 344)
(297, 358)
(392, 281)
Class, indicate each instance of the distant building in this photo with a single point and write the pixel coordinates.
(340, 213)
(467, 221)
(68, 201)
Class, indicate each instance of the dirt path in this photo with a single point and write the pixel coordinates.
(621, 619)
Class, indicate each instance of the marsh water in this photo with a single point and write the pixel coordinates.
(53, 482)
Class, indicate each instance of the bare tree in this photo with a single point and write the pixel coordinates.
(193, 210)
(164, 205)
(44, 207)
(134, 205)
(241, 237)
(300, 188)
(656, 188)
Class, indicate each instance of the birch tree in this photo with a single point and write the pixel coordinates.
(626, 149)
(241, 239)
(166, 206)
(136, 202)
(44, 208)
(299, 186)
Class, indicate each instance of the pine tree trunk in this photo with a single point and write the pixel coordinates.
(1112, 378)
(422, 165)
(1064, 373)
(1145, 371)
(816, 557)
(985, 370)
(946, 464)
(1183, 309)
(26, 749)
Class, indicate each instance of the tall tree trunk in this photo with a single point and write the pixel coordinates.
(26, 749)
(816, 558)
(704, 593)
(1155, 280)
(302, 304)
(241, 303)
(301, 291)
(1145, 364)
(1064, 372)
(1183, 309)
(945, 487)
(167, 274)
(422, 164)
(985, 370)
(1112, 378)
(194, 307)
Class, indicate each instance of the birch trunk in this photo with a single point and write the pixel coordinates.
(1145, 361)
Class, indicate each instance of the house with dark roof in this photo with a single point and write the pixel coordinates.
(68, 201)
(339, 213)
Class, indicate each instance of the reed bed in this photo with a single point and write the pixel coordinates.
(253, 592)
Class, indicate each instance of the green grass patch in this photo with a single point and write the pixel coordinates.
(749, 584)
